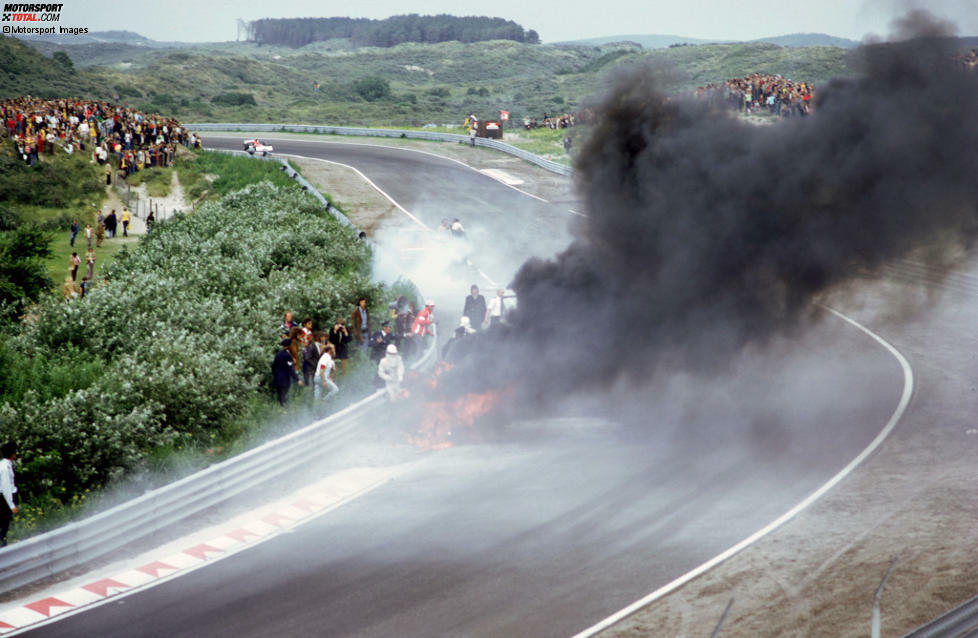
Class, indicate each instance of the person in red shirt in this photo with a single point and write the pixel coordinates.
(422, 323)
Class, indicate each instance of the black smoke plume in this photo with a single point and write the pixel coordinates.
(707, 234)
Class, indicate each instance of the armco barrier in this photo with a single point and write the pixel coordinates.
(301, 181)
(77, 543)
(553, 167)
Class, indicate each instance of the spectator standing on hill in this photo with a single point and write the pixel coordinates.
(475, 307)
(325, 370)
(287, 324)
(68, 289)
(360, 324)
(88, 236)
(89, 265)
(311, 355)
(294, 348)
(150, 220)
(73, 262)
(110, 224)
(283, 372)
(339, 338)
(126, 218)
(303, 338)
(100, 230)
(74, 232)
(8, 505)
(380, 340)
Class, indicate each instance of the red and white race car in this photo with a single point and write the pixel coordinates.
(257, 146)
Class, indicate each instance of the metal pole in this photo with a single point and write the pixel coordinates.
(875, 630)
(723, 617)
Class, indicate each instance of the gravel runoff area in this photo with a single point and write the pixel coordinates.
(912, 499)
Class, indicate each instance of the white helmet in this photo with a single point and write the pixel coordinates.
(392, 349)
(430, 302)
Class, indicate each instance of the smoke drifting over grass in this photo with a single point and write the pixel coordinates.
(707, 234)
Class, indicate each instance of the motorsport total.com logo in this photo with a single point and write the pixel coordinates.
(32, 12)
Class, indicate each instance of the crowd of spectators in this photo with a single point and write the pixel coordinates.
(554, 121)
(760, 92)
(113, 135)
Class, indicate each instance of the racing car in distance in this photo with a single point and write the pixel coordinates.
(257, 146)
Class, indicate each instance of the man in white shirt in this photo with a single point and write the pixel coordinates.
(7, 489)
(324, 371)
(497, 308)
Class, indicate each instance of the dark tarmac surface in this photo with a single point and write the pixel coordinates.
(544, 526)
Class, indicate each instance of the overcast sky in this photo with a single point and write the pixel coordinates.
(216, 20)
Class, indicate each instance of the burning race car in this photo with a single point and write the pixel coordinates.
(257, 146)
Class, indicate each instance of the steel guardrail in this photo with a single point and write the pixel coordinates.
(542, 162)
(960, 621)
(80, 542)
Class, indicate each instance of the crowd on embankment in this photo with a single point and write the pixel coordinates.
(760, 92)
(114, 136)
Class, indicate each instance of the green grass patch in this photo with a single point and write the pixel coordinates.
(217, 174)
(57, 263)
(157, 180)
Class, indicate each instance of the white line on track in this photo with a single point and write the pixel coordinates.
(400, 148)
(393, 201)
(908, 385)
(369, 181)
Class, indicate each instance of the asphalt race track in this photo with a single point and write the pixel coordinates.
(545, 526)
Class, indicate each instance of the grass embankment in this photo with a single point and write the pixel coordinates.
(58, 189)
(419, 83)
(164, 368)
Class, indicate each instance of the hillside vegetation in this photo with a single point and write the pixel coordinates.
(169, 353)
(24, 72)
(408, 84)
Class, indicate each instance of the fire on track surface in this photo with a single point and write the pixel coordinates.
(543, 526)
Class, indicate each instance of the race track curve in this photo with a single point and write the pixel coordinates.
(545, 526)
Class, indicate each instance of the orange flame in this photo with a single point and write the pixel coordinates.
(443, 420)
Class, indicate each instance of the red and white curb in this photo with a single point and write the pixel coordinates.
(193, 552)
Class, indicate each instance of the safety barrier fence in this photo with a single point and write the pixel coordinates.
(960, 621)
(542, 162)
(77, 543)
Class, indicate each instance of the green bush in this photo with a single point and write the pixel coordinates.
(174, 348)
(23, 277)
(372, 88)
(234, 99)
(62, 183)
